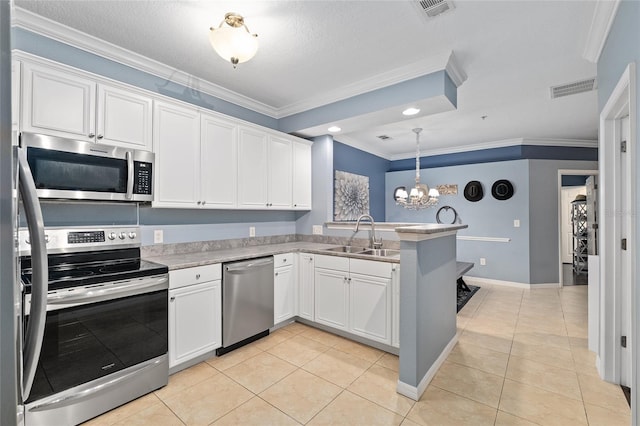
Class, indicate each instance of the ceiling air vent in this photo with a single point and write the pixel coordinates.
(435, 7)
(383, 137)
(574, 88)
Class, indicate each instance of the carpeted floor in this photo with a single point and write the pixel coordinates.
(464, 296)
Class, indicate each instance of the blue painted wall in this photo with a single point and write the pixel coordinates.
(507, 153)
(353, 160)
(531, 255)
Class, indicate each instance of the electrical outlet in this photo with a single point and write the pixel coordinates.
(158, 236)
(252, 231)
(317, 229)
(483, 261)
(516, 223)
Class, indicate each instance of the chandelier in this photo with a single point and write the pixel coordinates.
(234, 42)
(420, 196)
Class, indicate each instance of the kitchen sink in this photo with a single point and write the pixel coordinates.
(381, 252)
(347, 249)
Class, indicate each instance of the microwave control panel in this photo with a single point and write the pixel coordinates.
(142, 177)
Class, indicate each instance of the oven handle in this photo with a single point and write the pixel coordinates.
(129, 194)
(40, 278)
(111, 291)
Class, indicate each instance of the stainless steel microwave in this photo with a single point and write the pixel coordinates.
(77, 170)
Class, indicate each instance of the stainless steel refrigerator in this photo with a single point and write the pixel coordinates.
(8, 259)
(19, 346)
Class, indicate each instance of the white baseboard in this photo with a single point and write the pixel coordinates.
(414, 392)
(480, 281)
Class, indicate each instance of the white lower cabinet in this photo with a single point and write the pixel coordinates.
(395, 306)
(284, 287)
(354, 295)
(306, 280)
(195, 312)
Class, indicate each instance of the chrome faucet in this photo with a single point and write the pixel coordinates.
(373, 242)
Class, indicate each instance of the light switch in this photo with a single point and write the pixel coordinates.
(252, 231)
(516, 223)
(317, 229)
(158, 236)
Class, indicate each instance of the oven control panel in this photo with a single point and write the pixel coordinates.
(61, 240)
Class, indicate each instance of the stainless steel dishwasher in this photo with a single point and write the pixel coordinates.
(247, 302)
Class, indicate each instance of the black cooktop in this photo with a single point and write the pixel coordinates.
(80, 269)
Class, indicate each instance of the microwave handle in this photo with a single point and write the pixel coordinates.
(129, 193)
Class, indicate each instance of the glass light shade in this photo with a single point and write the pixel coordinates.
(433, 193)
(415, 193)
(235, 45)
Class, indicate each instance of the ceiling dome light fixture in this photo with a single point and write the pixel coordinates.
(334, 129)
(411, 111)
(420, 196)
(234, 42)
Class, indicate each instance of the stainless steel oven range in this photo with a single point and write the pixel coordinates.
(105, 335)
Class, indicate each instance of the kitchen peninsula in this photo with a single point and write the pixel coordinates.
(427, 303)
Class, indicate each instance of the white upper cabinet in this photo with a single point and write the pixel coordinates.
(280, 173)
(252, 169)
(219, 162)
(60, 102)
(301, 175)
(124, 118)
(176, 135)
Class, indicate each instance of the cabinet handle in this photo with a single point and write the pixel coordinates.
(295, 205)
(91, 135)
(100, 136)
(197, 276)
(172, 298)
(199, 202)
(204, 202)
(276, 274)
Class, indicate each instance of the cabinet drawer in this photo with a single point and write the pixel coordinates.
(332, 262)
(371, 267)
(282, 260)
(199, 274)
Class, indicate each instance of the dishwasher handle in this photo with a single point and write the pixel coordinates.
(250, 264)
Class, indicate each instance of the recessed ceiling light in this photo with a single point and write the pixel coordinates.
(334, 129)
(411, 111)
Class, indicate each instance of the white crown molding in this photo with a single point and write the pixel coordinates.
(603, 16)
(355, 143)
(54, 30)
(46, 27)
(580, 143)
(443, 61)
(456, 73)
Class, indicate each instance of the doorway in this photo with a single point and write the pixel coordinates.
(618, 332)
(575, 218)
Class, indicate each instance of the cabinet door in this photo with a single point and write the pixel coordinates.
(395, 306)
(176, 144)
(370, 307)
(301, 176)
(195, 321)
(252, 169)
(306, 286)
(284, 294)
(219, 162)
(123, 118)
(331, 298)
(280, 173)
(57, 103)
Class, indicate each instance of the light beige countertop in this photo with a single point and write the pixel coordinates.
(200, 258)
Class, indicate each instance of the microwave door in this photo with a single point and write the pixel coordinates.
(40, 276)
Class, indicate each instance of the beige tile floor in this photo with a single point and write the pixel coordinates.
(521, 359)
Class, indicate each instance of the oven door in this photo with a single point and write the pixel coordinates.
(101, 342)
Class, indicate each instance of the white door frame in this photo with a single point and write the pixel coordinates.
(566, 172)
(622, 102)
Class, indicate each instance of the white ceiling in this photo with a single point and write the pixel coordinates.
(315, 52)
